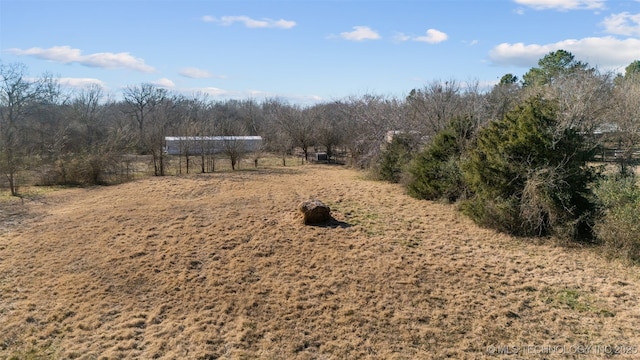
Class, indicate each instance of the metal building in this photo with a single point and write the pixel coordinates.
(196, 145)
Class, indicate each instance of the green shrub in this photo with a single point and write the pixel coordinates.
(619, 226)
(435, 172)
(529, 177)
(395, 157)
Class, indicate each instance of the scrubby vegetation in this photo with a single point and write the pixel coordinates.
(532, 169)
(395, 158)
(530, 177)
(435, 172)
(619, 226)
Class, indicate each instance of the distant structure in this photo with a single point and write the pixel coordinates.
(390, 134)
(322, 157)
(413, 133)
(198, 145)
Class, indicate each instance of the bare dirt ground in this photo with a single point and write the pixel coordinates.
(220, 266)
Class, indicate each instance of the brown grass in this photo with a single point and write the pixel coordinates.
(220, 266)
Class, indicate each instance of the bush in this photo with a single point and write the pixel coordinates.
(395, 157)
(529, 177)
(435, 172)
(82, 169)
(619, 226)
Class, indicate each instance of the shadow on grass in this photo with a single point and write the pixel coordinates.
(332, 223)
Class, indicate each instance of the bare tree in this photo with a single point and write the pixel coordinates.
(431, 107)
(276, 139)
(164, 115)
(473, 104)
(584, 99)
(49, 128)
(208, 147)
(119, 138)
(18, 95)
(202, 117)
(300, 128)
(188, 146)
(367, 119)
(251, 114)
(289, 125)
(233, 144)
(626, 119)
(503, 97)
(330, 126)
(88, 111)
(141, 101)
(98, 152)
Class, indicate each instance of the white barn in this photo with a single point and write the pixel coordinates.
(196, 145)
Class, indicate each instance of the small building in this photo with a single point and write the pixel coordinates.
(197, 145)
(322, 157)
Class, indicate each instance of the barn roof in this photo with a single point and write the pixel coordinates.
(210, 138)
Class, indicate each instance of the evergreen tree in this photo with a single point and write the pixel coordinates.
(632, 71)
(528, 177)
(395, 157)
(435, 172)
(551, 67)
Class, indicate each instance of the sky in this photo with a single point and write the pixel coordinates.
(308, 51)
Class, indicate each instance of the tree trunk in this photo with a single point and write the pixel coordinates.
(12, 184)
(11, 162)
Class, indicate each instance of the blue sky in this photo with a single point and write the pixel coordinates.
(308, 51)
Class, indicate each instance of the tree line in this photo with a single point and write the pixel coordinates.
(524, 157)
(80, 137)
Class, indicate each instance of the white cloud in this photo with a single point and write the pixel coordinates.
(623, 24)
(401, 37)
(195, 73)
(79, 82)
(250, 23)
(518, 54)
(105, 60)
(164, 82)
(433, 36)
(360, 33)
(606, 53)
(563, 5)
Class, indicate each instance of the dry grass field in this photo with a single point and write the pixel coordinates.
(219, 266)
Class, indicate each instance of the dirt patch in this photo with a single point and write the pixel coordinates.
(220, 266)
(17, 211)
(12, 213)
